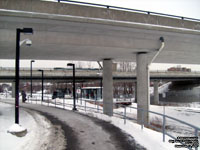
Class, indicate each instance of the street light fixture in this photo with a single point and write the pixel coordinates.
(18, 31)
(28, 42)
(74, 88)
(31, 77)
(42, 81)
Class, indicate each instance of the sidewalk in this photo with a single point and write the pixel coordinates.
(83, 132)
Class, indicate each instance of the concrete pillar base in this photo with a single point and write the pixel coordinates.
(143, 99)
(13, 89)
(156, 94)
(107, 87)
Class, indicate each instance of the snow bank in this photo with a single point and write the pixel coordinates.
(15, 128)
(40, 132)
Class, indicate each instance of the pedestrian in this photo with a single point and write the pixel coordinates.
(23, 96)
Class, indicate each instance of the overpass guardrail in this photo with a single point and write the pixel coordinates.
(128, 9)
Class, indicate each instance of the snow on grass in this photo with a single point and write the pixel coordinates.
(37, 130)
(148, 138)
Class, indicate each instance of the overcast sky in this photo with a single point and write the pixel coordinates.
(185, 8)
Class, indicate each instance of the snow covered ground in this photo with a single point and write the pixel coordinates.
(40, 131)
(150, 139)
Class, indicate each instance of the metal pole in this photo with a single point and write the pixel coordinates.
(96, 98)
(81, 95)
(98, 107)
(63, 103)
(17, 77)
(163, 123)
(42, 84)
(85, 105)
(31, 79)
(74, 88)
(101, 87)
(196, 135)
(124, 114)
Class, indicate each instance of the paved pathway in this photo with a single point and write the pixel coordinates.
(86, 133)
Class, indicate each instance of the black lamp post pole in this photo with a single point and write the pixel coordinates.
(101, 87)
(42, 84)
(31, 78)
(74, 88)
(17, 57)
(17, 77)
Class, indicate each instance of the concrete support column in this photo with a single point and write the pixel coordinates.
(107, 87)
(142, 88)
(156, 94)
(13, 89)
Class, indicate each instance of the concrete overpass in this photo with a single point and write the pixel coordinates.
(77, 32)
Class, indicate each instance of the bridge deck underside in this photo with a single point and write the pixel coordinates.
(63, 37)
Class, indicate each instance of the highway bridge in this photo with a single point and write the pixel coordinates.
(69, 31)
(82, 75)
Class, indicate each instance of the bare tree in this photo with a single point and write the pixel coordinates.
(79, 64)
(89, 64)
(126, 66)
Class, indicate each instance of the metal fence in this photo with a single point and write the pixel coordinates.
(128, 9)
(96, 106)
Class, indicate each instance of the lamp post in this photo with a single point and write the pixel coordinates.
(74, 88)
(42, 81)
(101, 84)
(18, 31)
(31, 77)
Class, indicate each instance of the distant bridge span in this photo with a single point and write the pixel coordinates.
(78, 32)
(92, 75)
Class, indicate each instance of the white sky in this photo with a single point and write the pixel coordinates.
(185, 8)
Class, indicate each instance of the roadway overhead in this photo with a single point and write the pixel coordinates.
(7, 75)
(76, 32)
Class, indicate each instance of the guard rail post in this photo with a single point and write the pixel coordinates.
(163, 128)
(63, 103)
(85, 105)
(98, 107)
(196, 135)
(124, 114)
(142, 121)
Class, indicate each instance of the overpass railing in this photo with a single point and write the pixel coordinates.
(128, 9)
(163, 122)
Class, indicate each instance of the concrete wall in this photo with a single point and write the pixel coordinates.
(94, 12)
